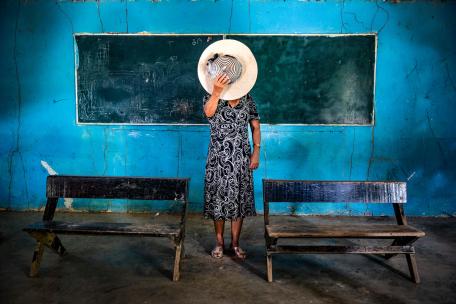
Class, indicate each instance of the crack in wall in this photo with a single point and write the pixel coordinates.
(179, 153)
(99, 16)
(355, 17)
(414, 69)
(126, 13)
(371, 157)
(231, 16)
(342, 22)
(66, 16)
(126, 156)
(439, 145)
(449, 76)
(375, 16)
(17, 150)
(105, 152)
(352, 152)
(92, 148)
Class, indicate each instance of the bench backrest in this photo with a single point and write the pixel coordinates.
(114, 187)
(309, 191)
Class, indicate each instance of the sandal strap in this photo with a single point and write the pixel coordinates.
(217, 252)
(239, 252)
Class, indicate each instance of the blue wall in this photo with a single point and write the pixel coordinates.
(413, 139)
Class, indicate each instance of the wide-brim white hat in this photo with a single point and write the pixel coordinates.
(243, 54)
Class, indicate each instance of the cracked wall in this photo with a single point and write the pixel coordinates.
(415, 102)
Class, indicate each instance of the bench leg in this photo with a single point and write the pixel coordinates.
(271, 242)
(36, 260)
(44, 239)
(269, 266)
(411, 262)
(50, 240)
(177, 260)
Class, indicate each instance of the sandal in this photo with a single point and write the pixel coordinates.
(217, 252)
(238, 253)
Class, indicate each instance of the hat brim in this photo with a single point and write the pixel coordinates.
(249, 73)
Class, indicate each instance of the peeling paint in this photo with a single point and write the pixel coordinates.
(48, 168)
(68, 202)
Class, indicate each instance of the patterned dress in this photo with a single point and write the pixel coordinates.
(228, 183)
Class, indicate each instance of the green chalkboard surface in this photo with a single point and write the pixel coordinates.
(152, 79)
(140, 79)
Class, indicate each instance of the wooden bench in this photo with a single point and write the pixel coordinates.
(302, 191)
(138, 188)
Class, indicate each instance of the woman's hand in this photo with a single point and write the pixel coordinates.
(254, 160)
(220, 83)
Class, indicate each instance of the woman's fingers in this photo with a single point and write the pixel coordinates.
(220, 81)
(253, 165)
(222, 77)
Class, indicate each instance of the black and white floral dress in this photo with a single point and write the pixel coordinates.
(228, 183)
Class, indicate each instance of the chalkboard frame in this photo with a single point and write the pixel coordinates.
(225, 36)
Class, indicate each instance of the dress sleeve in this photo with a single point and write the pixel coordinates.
(253, 113)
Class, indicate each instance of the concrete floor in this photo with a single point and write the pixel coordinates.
(138, 270)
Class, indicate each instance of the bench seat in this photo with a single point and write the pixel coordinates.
(306, 230)
(106, 228)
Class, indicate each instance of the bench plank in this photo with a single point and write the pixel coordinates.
(306, 230)
(140, 188)
(342, 249)
(334, 191)
(101, 228)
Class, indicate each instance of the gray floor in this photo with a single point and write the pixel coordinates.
(137, 270)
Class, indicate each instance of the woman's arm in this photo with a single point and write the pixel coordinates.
(256, 136)
(211, 105)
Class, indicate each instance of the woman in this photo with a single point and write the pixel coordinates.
(228, 189)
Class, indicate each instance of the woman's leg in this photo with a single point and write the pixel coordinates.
(219, 226)
(236, 226)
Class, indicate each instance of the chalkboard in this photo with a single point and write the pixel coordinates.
(152, 79)
(314, 79)
(140, 79)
